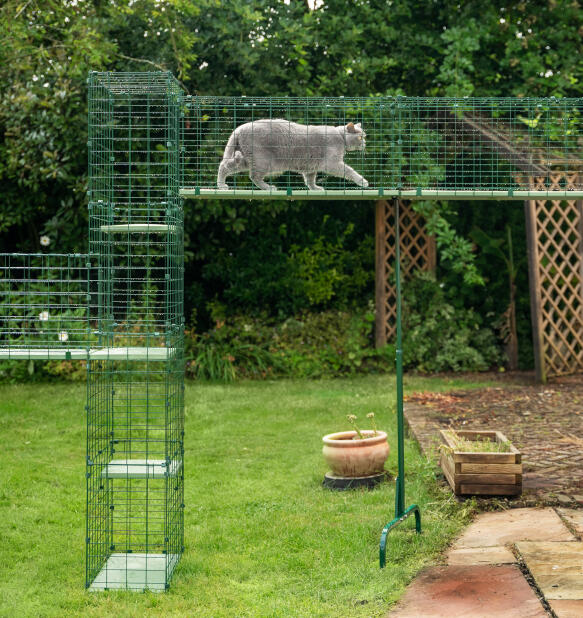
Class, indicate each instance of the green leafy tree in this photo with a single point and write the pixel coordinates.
(46, 49)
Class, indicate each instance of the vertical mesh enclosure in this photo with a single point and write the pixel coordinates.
(135, 398)
(45, 303)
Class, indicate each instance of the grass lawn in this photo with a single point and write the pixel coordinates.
(263, 538)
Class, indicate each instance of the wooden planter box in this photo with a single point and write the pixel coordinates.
(493, 474)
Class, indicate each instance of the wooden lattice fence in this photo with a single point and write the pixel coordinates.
(418, 252)
(555, 247)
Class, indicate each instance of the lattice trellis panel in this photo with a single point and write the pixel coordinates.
(555, 234)
(417, 253)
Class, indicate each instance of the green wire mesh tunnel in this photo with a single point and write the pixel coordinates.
(360, 148)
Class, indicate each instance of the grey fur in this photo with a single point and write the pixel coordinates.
(271, 147)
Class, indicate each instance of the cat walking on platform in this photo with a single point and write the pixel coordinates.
(271, 147)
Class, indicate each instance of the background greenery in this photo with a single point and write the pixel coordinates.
(277, 260)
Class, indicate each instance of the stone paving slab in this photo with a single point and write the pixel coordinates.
(566, 609)
(557, 568)
(480, 555)
(504, 527)
(474, 591)
(575, 519)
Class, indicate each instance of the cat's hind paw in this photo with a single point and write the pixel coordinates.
(364, 183)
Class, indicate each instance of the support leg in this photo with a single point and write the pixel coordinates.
(400, 513)
(383, 544)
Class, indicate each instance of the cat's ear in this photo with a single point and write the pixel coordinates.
(350, 128)
(357, 125)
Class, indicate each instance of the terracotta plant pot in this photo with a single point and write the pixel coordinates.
(348, 457)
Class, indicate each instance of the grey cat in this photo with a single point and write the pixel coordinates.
(270, 147)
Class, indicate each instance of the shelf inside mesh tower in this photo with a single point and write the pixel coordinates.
(139, 571)
(121, 354)
(140, 468)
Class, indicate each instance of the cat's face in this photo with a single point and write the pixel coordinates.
(354, 136)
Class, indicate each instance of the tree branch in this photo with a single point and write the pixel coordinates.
(22, 9)
(160, 67)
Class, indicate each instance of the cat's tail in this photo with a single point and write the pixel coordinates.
(233, 161)
(231, 149)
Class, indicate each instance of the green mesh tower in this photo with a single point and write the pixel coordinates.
(135, 396)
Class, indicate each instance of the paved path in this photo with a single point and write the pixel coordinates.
(519, 563)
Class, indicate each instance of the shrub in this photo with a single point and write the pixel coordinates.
(18, 371)
(329, 343)
(439, 337)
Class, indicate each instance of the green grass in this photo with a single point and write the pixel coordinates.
(263, 538)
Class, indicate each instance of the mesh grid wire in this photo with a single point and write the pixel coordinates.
(121, 306)
(45, 302)
(415, 147)
(135, 397)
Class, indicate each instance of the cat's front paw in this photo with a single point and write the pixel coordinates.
(316, 188)
(223, 187)
(364, 183)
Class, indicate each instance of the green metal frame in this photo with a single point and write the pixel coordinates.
(416, 147)
(400, 512)
(45, 303)
(120, 307)
(135, 395)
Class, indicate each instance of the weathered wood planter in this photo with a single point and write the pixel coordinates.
(481, 473)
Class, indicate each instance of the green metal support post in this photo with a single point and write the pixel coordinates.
(400, 512)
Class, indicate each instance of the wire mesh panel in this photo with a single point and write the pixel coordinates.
(136, 430)
(140, 268)
(365, 147)
(45, 303)
(135, 478)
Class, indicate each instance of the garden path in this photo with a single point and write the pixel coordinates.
(545, 422)
(522, 562)
(519, 563)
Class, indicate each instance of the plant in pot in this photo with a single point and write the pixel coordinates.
(357, 457)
